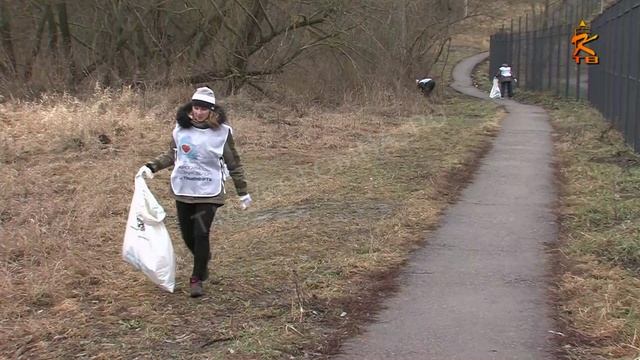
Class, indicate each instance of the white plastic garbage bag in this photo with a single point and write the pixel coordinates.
(147, 245)
(495, 89)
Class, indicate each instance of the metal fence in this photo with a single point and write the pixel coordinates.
(614, 84)
(538, 48)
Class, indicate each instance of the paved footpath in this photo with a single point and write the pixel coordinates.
(479, 288)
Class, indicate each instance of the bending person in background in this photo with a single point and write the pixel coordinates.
(203, 153)
(426, 85)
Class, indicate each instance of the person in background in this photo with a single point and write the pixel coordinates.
(426, 85)
(203, 154)
(505, 77)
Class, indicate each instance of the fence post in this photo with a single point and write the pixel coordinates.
(578, 67)
(561, 44)
(635, 78)
(510, 56)
(608, 76)
(613, 74)
(552, 50)
(542, 53)
(534, 58)
(626, 51)
(526, 50)
(492, 54)
(519, 68)
(591, 75)
(568, 55)
(533, 70)
(549, 59)
(618, 76)
(546, 36)
(635, 75)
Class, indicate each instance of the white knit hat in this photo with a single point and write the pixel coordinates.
(204, 97)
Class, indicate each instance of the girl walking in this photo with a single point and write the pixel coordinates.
(203, 154)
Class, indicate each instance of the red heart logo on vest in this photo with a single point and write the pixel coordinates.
(186, 148)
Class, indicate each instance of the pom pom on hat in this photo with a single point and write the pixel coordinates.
(203, 97)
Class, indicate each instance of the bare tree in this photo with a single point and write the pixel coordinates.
(10, 64)
(238, 42)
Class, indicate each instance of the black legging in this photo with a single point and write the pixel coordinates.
(506, 89)
(195, 222)
(427, 87)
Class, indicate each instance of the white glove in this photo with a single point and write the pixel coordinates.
(145, 172)
(245, 201)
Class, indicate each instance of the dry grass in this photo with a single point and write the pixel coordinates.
(598, 285)
(341, 197)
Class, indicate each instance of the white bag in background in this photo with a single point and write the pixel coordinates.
(147, 245)
(495, 89)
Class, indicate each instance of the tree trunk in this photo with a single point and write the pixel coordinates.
(7, 39)
(28, 67)
(66, 43)
(53, 34)
(405, 62)
(248, 35)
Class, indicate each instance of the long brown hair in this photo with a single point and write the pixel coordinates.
(217, 116)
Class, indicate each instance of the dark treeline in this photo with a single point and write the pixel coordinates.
(69, 45)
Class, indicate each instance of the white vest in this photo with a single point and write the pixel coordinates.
(198, 168)
(505, 71)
